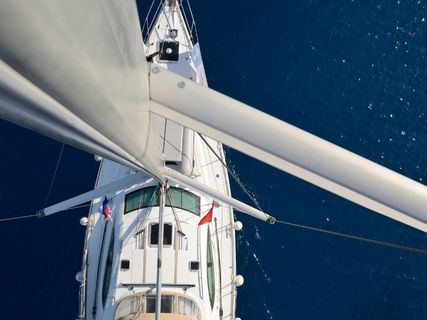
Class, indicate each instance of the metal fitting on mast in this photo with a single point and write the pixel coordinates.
(170, 3)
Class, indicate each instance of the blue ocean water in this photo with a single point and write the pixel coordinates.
(351, 72)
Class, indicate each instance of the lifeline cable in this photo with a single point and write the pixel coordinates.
(353, 237)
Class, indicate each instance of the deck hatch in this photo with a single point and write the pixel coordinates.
(169, 50)
(125, 264)
(194, 265)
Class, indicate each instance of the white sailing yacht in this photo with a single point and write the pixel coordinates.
(85, 81)
(196, 264)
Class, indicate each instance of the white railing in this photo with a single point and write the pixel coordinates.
(154, 10)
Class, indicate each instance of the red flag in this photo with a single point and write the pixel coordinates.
(208, 217)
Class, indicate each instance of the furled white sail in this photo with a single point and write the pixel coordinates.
(288, 148)
(87, 58)
(23, 103)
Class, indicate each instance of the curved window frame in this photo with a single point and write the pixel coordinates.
(153, 200)
(108, 269)
(150, 197)
(210, 271)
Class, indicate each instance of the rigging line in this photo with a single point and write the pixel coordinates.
(77, 207)
(166, 17)
(150, 26)
(146, 19)
(173, 146)
(349, 236)
(54, 175)
(193, 22)
(174, 212)
(210, 167)
(16, 218)
(35, 215)
(141, 225)
(233, 175)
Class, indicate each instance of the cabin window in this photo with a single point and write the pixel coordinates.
(108, 267)
(190, 202)
(150, 197)
(174, 198)
(142, 198)
(150, 304)
(142, 306)
(211, 271)
(129, 307)
(187, 307)
(166, 305)
(154, 234)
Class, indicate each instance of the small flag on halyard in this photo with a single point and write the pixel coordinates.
(105, 209)
(208, 217)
